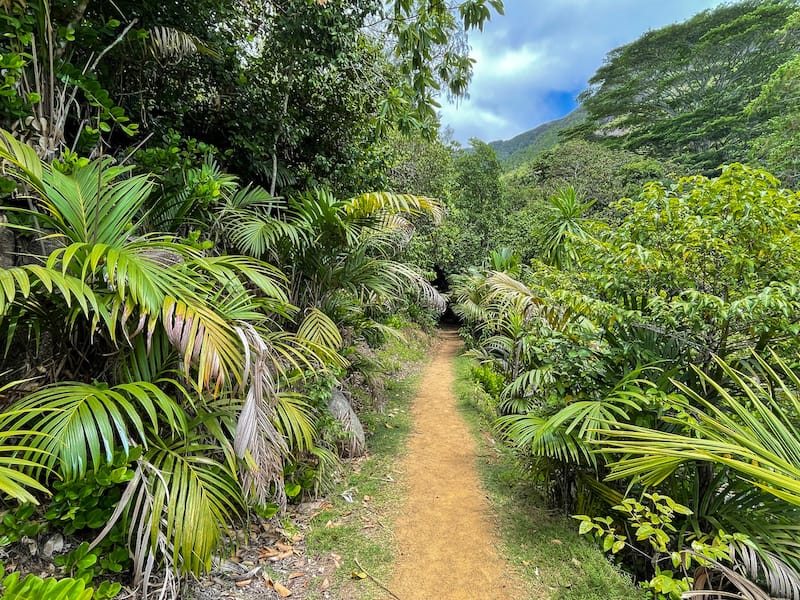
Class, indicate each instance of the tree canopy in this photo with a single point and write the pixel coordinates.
(680, 91)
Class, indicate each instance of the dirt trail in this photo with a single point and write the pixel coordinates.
(446, 543)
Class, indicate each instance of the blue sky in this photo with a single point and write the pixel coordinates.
(534, 61)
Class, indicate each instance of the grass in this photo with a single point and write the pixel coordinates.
(360, 532)
(544, 548)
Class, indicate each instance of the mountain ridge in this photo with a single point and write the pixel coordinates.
(526, 145)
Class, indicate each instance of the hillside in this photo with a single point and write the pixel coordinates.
(525, 146)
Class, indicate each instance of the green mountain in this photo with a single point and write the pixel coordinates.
(527, 145)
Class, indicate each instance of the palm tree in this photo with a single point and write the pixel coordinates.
(189, 336)
(564, 226)
(340, 257)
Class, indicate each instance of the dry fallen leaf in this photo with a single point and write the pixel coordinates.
(559, 542)
(243, 583)
(283, 547)
(325, 584)
(281, 590)
(281, 556)
(267, 552)
(296, 574)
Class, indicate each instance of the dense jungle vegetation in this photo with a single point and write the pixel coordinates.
(635, 324)
(213, 211)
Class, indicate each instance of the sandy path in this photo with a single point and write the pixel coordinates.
(446, 542)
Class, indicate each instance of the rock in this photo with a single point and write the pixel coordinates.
(343, 412)
(53, 545)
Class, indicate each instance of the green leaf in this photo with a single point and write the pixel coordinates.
(293, 489)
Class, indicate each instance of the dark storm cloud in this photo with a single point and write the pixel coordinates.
(532, 62)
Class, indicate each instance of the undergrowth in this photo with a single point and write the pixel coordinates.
(542, 546)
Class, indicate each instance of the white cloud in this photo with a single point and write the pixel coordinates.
(511, 63)
(481, 123)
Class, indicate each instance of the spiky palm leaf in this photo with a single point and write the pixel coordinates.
(317, 328)
(530, 434)
(197, 496)
(295, 420)
(528, 384)
(375, 203)
(469, 293)
(22, 160)
(564, 225)
(95, 203)
(18, 283)
(13, 481)
(754, 433)
(513, 296)
(136, 274)
(568, 433)
(258, 234)
(175, 44)
(97, 213)
(74, 427)
(747, 567)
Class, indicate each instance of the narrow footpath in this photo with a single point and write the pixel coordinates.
(447, 546)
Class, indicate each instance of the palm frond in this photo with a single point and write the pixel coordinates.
(134, 272)
(205, 339)
(231, 270)
(372, 203)
(13, 481)
(749, 568)
(529, 382)
(25, 164)
(257, 234)
(78, 426)
(172, 43)
(257, 441)
(751, 433)
(195, 496)
(530, 434)
(432, 297)
(18, 283)
(319, 329)
(294, 418)
(93, 204)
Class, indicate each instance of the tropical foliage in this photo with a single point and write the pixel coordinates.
(656, 357)
(210, 215)
(680, 91)
(166, 351)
